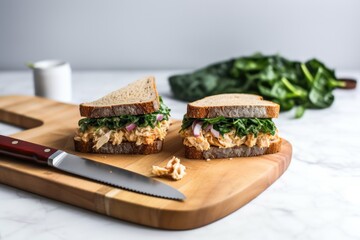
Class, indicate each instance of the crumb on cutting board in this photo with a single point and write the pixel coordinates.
(173, 169)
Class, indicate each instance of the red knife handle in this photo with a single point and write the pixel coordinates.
(25, 150)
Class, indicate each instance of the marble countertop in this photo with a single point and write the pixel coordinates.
(318, 197)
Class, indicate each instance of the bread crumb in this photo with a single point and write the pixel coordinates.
(173, 169)
(230, 158)
(208, 160)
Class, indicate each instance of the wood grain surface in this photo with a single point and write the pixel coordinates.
(213, 188)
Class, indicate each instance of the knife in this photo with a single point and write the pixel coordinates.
(83, 167)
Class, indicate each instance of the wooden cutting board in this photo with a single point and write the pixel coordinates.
(213, 188)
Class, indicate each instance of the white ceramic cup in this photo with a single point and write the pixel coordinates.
(52, 79)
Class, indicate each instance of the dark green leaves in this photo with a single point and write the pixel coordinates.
(242, 126)
(117, 122)
(289, 83)
(200, 83)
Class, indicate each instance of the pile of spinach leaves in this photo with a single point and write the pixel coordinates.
(117, 122)
(242, 126)
(288, 83)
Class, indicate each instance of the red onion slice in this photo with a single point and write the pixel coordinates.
(159, 117)
(193, 124)
(208, 128)
(197, 129)
(130, 127)
(215, 133)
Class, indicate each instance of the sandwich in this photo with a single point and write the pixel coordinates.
(131, 120)
(230, 125)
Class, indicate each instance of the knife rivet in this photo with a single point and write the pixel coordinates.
(47, 150)
(14, 142)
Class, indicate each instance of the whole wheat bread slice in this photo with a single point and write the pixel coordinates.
(123, 148)
(140, 97)
(233, 106)
(241, 151)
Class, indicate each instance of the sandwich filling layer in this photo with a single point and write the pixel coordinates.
(141, 129)
(228, 132)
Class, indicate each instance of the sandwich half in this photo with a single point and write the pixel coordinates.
(230, 125)
(131, 120)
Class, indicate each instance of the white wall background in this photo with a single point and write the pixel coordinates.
(163, 34)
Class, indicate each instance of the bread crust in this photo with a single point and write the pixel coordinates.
(241, 151)
(233, 111)
(123, 148)
(248, 107)
(93, 111)
(117, 110)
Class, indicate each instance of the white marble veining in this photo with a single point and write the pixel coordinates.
(318, 197)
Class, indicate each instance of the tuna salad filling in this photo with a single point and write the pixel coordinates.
(228, 132)
(139, 135)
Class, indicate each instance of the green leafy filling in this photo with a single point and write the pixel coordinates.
(242, 126)
(117, 122)
(288, 83)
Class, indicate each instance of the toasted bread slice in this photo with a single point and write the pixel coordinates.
(241, 151)
(123, 148)
(140, 97)
(233, 106)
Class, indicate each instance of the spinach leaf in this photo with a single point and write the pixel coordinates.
(190, 87)
(117, 122)
(288, 83)
(242, 126)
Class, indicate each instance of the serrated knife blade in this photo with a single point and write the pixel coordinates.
(87, 168)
